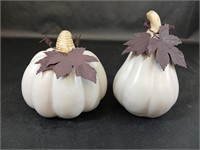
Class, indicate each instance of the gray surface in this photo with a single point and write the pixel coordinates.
(110, 125)
(96, 20)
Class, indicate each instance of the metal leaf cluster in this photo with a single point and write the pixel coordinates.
(62, 64)
(163, 46)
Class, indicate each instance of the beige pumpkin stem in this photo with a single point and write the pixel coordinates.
(64, 42)
(155, 22)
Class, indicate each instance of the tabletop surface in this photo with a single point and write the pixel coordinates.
(109, 125)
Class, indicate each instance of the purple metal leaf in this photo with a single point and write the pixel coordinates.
(138, 43)
(164, 47)
(86, 71)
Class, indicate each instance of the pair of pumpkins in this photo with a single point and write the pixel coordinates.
(140, 85)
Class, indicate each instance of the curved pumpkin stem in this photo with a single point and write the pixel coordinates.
(65, 42)
(155, 22)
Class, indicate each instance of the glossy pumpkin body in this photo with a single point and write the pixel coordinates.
(65, 97)
(143, 88)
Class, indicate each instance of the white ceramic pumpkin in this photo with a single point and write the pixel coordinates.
(67, 96)
(141, 85)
